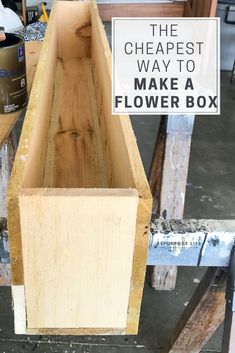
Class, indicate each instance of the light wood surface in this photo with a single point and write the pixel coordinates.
(73, 23)
(39, 107)
(79, 256)
(8, 146)
(74, 133)
(172, 195)
(7, 121)
(108, 251)
(75, 331)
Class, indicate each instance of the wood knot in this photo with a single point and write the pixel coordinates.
(84, 31)
(74, 134)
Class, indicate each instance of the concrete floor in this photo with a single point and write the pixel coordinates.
(210, 194)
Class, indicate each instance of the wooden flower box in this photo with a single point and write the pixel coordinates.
(79, 204)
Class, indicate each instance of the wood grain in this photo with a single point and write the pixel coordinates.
(202, 315)
(83, 258)
(107, 11)
(172, 196)
(156, 169)
(32, 140)
(76, 331)
(8, 146)
(74, 133)
(72, 20)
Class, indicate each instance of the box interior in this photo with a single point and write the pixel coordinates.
(77, 143)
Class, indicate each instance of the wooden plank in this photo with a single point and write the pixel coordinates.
(32, 50)
(123, 163)
(95, 253)
(75, 331)
(74, 130)
(205, 312)
(7, 121)
(174, 179)
(175, 169)
(156, 169)
(107, 11)
(202, 315)
(39, 106)
(7, 150)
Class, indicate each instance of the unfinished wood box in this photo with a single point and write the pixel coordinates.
(79, 204)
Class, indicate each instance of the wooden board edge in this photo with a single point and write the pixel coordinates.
(139, 265)
(18, 295)
(107, 11)
(19, 166)
(75, 331)
(76, 192)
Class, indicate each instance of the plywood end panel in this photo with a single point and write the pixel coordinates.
(75, 243)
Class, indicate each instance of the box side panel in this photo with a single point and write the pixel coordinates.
(120, 173)
(124, 162)
(77, 255)
(126, 168)
(74, 30)
(28, 166)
